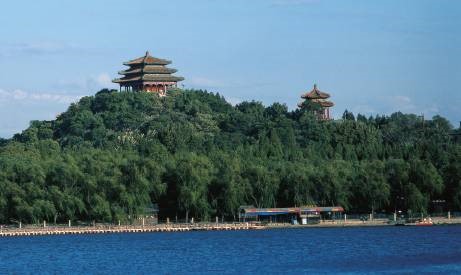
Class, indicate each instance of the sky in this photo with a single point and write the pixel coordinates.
(373, 57)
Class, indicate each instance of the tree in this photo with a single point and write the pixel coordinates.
(193, 175)
(264, 185)
(112, 155)
(228, 191)
(452, 180)
(296, 185)
(371, 185)
(348, 115)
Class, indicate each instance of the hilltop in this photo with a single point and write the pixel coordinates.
(112, 155)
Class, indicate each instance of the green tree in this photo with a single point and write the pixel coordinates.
(193, 175)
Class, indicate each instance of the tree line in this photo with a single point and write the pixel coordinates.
(111, 156)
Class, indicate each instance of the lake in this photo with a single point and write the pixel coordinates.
(308, 250)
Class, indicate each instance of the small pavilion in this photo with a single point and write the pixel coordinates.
(148, 73)
(318, 97)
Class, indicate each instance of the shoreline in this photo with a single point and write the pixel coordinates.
(100, 229)
(105, 229)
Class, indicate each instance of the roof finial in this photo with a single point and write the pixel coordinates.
(147, 53)
(315, 86)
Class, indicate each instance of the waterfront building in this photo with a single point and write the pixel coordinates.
(319, 98)
(294, 215)
(150, 216)
(148, 73)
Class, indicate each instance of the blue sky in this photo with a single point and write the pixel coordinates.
(373, 57)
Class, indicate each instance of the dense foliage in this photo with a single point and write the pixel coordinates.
(112, 155)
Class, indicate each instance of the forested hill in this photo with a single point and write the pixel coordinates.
(111, 155)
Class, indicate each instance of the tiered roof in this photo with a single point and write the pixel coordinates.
(317, 96)
(148, 69)
(147, 59)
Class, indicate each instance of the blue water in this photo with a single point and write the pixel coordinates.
(311, 250)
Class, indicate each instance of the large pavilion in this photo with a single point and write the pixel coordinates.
(148, 73)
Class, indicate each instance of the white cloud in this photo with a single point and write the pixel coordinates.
(20, 95)
(205, 82)
(401, 103)
(405, 104)
(233, 100)
(363, 109)
(386, 105)
(18, 107)
(104, 80)
(41, 48)
(100, 81)
(90, 84)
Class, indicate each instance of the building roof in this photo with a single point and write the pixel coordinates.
(148, 69)
(148, 60)
(270, 211)
(323, 103)
(252, 211)
(315, 94)
(150, 78)
(322, 209)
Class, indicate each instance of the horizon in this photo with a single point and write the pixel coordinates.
(373, 58)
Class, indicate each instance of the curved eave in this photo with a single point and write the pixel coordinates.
(166, 62)
(148, 79)
(323, 104)
(161, 78)
(327, 104)
(147, 71)
(315, 95)
(147, 61)
(118, 80)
